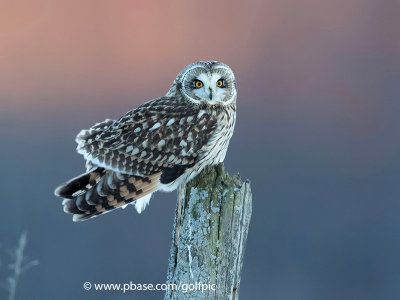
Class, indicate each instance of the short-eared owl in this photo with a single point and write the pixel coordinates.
(156, 146)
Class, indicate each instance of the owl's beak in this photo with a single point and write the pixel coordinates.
(210, 95)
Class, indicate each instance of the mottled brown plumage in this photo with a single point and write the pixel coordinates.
(157, 145)
(149, 138)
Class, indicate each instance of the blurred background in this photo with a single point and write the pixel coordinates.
(317, 134)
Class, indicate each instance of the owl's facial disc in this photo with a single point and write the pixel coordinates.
(210, 88)
(209, 83)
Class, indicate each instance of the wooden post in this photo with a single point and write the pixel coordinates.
(209, 237)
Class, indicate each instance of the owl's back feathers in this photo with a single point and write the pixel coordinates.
(157, 135)
(129, 158)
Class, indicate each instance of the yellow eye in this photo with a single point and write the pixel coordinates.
(197, 84)
(221, 83)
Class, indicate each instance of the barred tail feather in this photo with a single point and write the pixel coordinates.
(101, 191)
(79, 185)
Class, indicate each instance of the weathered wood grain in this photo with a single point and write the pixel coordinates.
(209, 237)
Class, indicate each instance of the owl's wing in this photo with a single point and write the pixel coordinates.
(159, 135)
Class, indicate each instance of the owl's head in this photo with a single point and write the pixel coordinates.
(207, 82)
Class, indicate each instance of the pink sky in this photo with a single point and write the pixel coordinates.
(80, 51)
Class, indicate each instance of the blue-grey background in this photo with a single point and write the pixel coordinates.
(317, 134)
